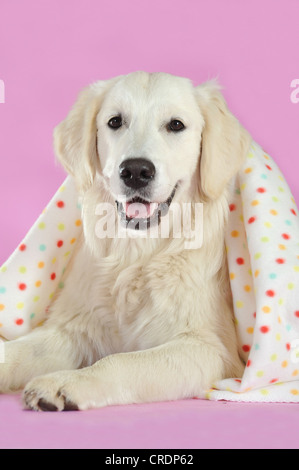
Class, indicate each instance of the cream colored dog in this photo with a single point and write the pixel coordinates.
(140, 318)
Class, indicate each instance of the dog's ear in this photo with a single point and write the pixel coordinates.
(75, 138)
(225, 142)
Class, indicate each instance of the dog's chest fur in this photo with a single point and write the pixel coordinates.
(124, 303)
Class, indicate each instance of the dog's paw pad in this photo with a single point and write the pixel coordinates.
(44, 405)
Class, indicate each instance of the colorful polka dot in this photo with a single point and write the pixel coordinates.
(266, 309)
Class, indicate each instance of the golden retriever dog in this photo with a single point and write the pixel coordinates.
(142, 317)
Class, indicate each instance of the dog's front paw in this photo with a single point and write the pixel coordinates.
(51, 392)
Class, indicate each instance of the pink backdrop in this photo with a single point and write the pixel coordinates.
(50, 49)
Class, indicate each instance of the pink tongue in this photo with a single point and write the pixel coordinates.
(138, 210)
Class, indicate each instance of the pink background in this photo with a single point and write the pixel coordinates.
(49, 50)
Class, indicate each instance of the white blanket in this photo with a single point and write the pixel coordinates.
(263, 255)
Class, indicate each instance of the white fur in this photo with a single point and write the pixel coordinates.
(139, 319)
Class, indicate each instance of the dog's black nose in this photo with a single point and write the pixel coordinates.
(136, 172)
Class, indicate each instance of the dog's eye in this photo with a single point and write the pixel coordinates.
(175, 126)
(115, 122)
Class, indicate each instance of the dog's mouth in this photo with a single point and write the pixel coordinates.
(140, 214)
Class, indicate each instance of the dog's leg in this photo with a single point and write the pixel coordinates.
(42, 351)
(179, 369)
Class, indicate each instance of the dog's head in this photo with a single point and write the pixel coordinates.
(153, 139)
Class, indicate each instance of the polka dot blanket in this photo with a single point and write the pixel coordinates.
(262, 243)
